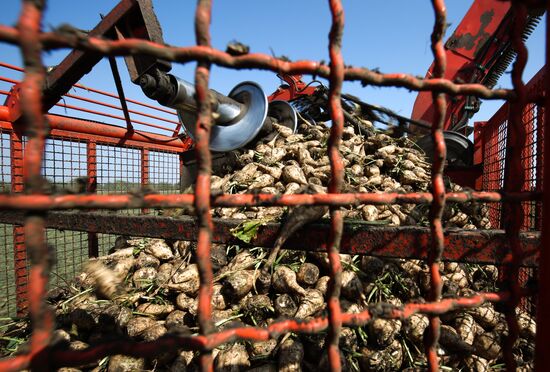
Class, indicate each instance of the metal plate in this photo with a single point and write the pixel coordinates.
(246, 128)
(460, 150)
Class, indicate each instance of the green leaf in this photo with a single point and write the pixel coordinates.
(246, 231)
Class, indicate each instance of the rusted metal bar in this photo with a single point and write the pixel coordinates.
(111, 95)
(98, 91)
(112, 116)
(91, 187)
(120, 91)
(131, 201)
(336, 181)
(437, 243)
(202, 189)
(105, 104)
(475, 246)
(63, 357)
(55, 40)
(42, 318)
(115, 107)
(542, 346)
(75, 136)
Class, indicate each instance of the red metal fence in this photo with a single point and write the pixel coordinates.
(492, 138)
(91, 150)
(108, 164)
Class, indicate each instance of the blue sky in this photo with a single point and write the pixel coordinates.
(391, 35)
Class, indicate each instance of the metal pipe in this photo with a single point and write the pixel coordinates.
(227, 109)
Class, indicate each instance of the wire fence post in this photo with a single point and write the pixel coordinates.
(91, 187)
(144, 172)
(19, 249)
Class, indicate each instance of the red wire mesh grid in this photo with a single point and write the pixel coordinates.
(64, 162)
(105, 241)
(28, 35)
(5, 174)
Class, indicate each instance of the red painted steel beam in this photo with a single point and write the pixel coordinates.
(475, 246)
(115, 107)
(56, 133)
(131, 201)
(13, 97)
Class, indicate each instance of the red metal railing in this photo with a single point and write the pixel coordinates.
(162, 123)
(28, 36)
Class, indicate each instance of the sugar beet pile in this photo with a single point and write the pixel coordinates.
(147, 288)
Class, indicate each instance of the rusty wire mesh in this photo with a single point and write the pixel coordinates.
(29, 37)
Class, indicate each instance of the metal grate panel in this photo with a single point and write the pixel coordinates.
(8, 306)
(118, 169)
(164, 172)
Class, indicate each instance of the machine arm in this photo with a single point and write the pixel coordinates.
(129, 18)
(479, 51)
